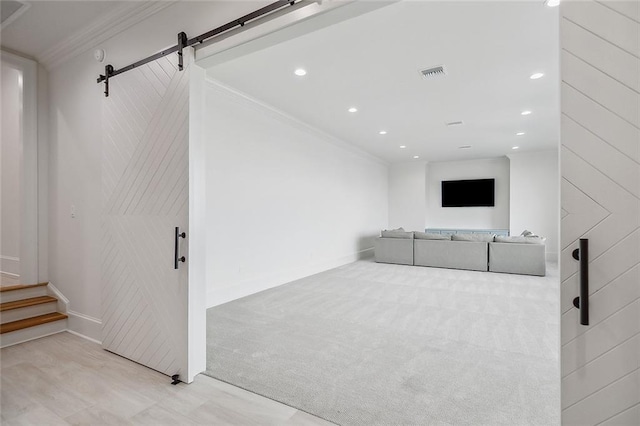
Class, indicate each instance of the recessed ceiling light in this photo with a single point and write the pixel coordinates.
(403, 146)
(464, 147)
(519, 133)
(300, 72)
(353, 109)
(525, 112)
(536, 76)
(551, 3)
(515, 147)
(383, 132)
(416, 156)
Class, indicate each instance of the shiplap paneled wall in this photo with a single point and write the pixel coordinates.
(145, 184)
(601, 201)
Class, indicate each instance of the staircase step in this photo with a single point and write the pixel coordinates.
(17, 304)
(31, 322)
(21, 286)
(22, 291)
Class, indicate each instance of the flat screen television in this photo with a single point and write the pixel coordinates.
(468, 193)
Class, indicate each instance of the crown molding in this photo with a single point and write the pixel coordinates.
(4, 49)
(293, 121)
(100, 30)
(15, 15)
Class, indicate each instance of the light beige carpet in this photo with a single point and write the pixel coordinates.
(377, 344)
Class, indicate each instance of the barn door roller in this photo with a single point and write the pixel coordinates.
(184, 41)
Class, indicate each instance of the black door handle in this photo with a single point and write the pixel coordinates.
(177, 259)
(582, 302)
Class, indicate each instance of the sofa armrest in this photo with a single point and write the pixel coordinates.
(517, 258)
(394, 250)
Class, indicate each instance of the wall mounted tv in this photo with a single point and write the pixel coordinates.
(468, 193)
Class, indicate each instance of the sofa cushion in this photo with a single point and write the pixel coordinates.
(396, 233)
(483, 238)
(430, 236)
(451, 254)
(520, 239)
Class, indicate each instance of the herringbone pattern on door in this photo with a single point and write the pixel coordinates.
(145, 187)
(601, 202)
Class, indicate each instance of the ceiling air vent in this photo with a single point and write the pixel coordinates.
(433, 72)
(455, 123)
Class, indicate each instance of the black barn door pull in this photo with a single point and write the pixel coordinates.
(582, 302)
(177, 259)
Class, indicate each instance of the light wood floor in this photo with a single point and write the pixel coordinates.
(64, 379)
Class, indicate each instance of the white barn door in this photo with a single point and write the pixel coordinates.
(601, 201)
(145, 184)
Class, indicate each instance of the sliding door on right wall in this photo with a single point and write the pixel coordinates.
(600, 168)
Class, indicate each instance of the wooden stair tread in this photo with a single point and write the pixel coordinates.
(21, 286)
(23, 303)
(31, 322)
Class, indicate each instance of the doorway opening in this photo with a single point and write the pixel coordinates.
(317, 143)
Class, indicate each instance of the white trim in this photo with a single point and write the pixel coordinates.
(265, 23)
(9, 274)
(295, 122)
(63, 302)
(75, 333)
(197, 290)
(43, 175)
(109, 25)
(22, 9)
(57, 293)
(85, 326)
(291, 23)
(84, 317)
(12, 258)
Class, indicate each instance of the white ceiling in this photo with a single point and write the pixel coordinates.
(372, 62)
(47, 23)
(489, 50)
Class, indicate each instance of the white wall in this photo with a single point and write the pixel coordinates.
(407, 195)
(527, 191)
(74, 179)
(468, 217)
(11, 174)
(283, 201)
(75, 134)
(534, 196)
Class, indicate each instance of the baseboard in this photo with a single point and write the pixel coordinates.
(84, 337)
(365, 254)
(63, 302)
(85, 326)
(247, 288)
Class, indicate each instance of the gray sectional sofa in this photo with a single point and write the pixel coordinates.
(476, 252)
